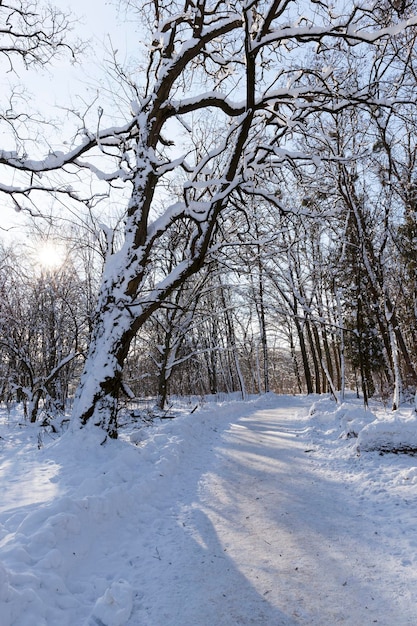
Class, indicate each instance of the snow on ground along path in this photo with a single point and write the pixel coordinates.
(236, 514)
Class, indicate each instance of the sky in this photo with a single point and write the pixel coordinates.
(99, 23)
(96, 22)
(65, 85)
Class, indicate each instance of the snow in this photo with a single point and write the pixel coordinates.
(273, 511)
(397, 432)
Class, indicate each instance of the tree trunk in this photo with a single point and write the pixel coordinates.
(164, 373)
(304, 356)
(317, 377)
(98, 392)
(260, 306)
(342, 346)
(33, 405)
(294, 361)
(115, 326)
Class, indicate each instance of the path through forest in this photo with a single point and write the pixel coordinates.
(277, 539)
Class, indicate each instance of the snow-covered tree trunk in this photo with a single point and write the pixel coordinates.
(342, 345)
(119, 313)
(398, 386)
(98, 392)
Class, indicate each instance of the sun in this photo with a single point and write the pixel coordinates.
(50, 256)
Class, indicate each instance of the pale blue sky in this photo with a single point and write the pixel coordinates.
(98, 21)
(65, 85)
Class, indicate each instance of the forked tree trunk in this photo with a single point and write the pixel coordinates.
(121, 310)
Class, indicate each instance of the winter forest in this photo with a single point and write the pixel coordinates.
(234, 212)
(208, 313)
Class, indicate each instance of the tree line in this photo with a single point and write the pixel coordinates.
(265, 157)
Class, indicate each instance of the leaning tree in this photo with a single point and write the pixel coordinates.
(239, 68)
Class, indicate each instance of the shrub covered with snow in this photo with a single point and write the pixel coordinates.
(394, 433)
(372, 430)
(352, 419)
(338, 421)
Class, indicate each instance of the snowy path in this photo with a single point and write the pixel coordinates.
(238, 514)
(270, 539)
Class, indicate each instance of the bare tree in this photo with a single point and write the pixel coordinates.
(33, 34)
(41, 332)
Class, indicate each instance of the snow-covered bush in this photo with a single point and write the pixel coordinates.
(394, 433)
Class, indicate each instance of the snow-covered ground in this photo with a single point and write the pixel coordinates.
(270, 512)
